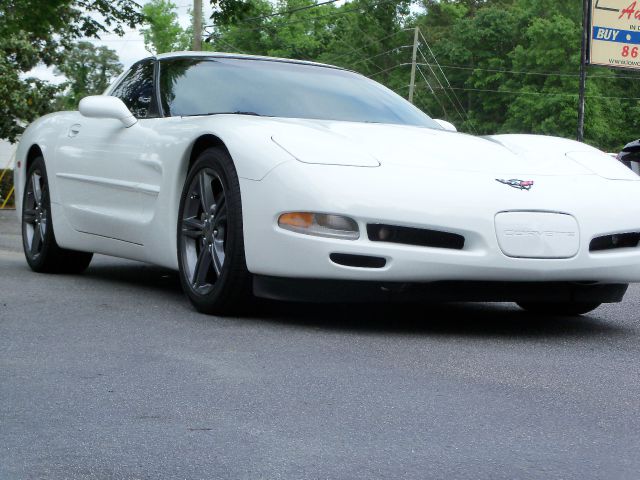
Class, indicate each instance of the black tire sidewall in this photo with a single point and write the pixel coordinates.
(234, 265)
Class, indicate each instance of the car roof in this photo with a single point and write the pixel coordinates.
(191, 54)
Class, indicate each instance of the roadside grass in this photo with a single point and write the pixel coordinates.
(6, 185)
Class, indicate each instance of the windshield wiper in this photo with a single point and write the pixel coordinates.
(224, 113)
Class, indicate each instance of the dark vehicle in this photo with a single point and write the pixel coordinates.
(630, 156)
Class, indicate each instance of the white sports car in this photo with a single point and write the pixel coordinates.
(295, 180)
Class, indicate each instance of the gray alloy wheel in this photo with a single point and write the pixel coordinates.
(34, 215)
(213, 270)
(38, 239)
(204, 229)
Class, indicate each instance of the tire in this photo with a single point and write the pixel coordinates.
(211, 259)
(38, 239)
(568, 309)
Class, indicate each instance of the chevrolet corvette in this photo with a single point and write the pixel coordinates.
(292, 180)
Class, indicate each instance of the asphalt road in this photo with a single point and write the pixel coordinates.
(111, 374)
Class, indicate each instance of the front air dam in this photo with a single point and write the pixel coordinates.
(348, 291)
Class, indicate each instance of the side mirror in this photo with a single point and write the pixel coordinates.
(105, 106)
(448, 126)
(632, 147)
(630, 156)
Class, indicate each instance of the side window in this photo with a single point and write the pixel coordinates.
(180, 88)
(137, 92)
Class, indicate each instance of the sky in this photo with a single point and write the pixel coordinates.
(130, 47)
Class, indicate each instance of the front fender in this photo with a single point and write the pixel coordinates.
(247, 139)
(43, 133)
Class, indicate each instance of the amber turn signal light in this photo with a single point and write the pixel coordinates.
(320, 225)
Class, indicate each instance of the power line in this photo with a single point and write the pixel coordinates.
(380, 54)
(444, 110)
(233, 47)
(353, 23)
(373, 42)
(548, 94)
(352, 49)
(447, 80)
(125, 40)
(419, 70)
(332, 14)
(512, 92)
(389, 69)
(545, 74)
(368, 60)
(612, 97)
(293, 10)
(455, 107)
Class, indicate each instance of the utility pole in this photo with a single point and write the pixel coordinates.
(197, 25)
(414, 57)
(583, 67)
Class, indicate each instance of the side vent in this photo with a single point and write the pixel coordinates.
(415, 236)
(358, 261)
(611, 242)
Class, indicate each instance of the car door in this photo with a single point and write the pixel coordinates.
(108, 180)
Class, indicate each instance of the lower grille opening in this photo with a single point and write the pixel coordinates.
(359, 261)
(415, 236)
(618, 240)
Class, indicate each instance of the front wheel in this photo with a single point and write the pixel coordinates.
(211, 259)
(560, 309)
(38, 240)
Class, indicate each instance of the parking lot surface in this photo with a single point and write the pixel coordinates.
(111, 374)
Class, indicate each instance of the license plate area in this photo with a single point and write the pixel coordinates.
(537, 234)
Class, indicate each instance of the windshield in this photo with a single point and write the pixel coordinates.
(201, 86)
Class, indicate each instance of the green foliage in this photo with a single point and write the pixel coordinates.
(230, 12)
(515, 66)
(36, 31)
(162, 32)
(21, 100)
(89, 71)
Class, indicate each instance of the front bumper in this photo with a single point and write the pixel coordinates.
(461, 203)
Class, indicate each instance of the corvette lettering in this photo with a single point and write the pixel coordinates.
(516, 183)
(538, 233)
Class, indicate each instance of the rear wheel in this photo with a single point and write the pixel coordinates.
(562, 309)
(38, 240)
(213, 269)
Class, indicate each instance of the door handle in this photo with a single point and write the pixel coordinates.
(74, 130)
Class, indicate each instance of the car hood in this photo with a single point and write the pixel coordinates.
(371, 145)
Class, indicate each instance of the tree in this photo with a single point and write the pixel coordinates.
(88, 69)
(514, 66)
(370, 37)
(240, 26)
(21, 100)
(34, 32)
(162, 32)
